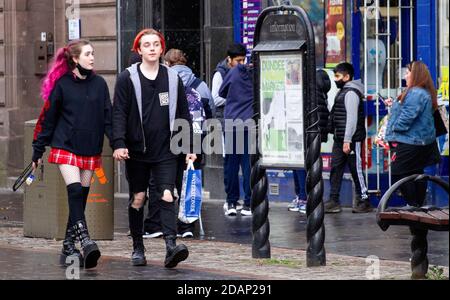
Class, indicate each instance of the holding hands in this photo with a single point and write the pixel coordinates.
(121, 154)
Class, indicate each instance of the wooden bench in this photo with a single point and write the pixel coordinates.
(419, 220)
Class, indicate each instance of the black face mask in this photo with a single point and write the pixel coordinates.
(340, 83)
(83, 71)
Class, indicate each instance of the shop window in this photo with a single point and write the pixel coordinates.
(180, 21)
(316, 12)
(388, 45)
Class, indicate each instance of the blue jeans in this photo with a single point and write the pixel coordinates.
(300, 183)
(232, 163)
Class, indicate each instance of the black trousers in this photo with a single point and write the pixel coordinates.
(163, 173)
(414, 192)
(338, 162)
(412, 159)
(152, 222)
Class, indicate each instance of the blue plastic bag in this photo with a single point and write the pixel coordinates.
(191, 195)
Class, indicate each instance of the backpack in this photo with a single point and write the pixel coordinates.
(196, 107)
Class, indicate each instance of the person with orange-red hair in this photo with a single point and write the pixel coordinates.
(148, 98)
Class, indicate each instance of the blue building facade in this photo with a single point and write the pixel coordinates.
(379, 40)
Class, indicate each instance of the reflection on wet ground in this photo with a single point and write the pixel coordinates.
(345, 233)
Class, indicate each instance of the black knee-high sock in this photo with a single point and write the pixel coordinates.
(85, 196)
(136, 220)
(75, 197)
(69, 223)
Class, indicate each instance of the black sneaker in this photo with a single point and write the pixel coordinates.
(332, 207)
(230, 209)
(362, 207)
(246, 211)
(154, 235)
(187, 235)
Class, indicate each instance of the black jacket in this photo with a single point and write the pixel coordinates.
(75, 118)
(127, 128)
(323, 87)
(338, 116)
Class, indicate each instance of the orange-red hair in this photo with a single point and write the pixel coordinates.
(148, 31)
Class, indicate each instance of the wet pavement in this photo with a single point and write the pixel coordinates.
(37, 265)
(345, 233)
(11, 208)
(225, 251)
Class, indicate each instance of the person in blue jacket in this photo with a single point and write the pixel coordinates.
(411, 133)
(237, 89)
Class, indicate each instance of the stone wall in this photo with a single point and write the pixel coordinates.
(21, 24)
(218, 35)
(98, 24)
(2, 91)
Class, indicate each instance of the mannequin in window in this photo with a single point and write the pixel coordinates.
(372, 58)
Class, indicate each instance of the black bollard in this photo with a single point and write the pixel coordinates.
(315, 229)
(260, 210)
(274, 33)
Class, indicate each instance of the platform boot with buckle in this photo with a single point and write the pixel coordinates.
(69, 250)
(91, 252)
(174, 254)
(138, 256)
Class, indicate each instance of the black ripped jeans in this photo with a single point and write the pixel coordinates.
(164, 174)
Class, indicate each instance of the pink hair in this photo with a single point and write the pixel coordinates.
(58, 68)
(61, 65)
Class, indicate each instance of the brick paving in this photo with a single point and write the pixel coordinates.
(225, 254)
(229, 260)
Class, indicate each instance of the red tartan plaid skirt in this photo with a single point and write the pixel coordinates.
(63, 157)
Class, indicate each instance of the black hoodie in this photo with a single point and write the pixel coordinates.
(75, 118)
(323, 87)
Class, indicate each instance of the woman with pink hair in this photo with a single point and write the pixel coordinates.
(74, 119)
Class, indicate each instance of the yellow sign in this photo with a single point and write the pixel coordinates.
(443, 90)
(340, 30)
(336, 10)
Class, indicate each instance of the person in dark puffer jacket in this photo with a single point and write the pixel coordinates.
(348, 127)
